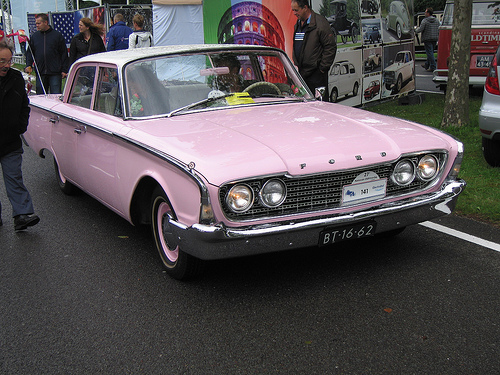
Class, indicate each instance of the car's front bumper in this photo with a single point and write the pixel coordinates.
(219, 241)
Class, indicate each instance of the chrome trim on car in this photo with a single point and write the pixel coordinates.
(473, 80)
(219, 241)
(205, 198)
(328, 187)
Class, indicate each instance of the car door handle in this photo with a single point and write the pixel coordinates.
(80, 130)
(54, 119)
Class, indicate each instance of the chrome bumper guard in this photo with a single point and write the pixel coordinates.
(473, 80)
(219, 241)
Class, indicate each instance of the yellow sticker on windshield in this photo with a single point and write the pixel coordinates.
(240, 98)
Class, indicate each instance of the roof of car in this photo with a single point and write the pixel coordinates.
(122, 57)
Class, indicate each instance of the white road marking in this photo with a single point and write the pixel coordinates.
(461, 235)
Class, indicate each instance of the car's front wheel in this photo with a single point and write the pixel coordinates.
(399, 85)
(334, 95)
(399, 31)
(491, 152)
(178, 264)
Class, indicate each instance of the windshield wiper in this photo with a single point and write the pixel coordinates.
(196, 104)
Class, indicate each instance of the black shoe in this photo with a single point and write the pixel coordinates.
(22, 222)
(1, 222)
(424, 66)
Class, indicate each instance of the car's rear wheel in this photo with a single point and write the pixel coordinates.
(178, 264)
(399, 31)
(66, 187)
(355, 89)
(491, 152)
(354, 34)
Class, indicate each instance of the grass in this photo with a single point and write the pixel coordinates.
(479, 200)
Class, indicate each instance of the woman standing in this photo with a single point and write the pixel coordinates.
(87, 41)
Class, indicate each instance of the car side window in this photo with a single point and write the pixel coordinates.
(108, 94)
(83, 87)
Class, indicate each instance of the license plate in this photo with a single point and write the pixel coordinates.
(364, 191)
(348, 232)
(484, 61)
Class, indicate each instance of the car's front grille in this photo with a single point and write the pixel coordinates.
(316, 193)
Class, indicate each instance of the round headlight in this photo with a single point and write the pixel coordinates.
(239, 198)
(427, 167)
(273, 193)
(404, 172)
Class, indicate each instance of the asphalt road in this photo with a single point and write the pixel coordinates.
(83, 292)
(423, 79)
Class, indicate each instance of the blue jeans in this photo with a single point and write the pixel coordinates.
(429, 51)
(51, 82)
(17, 193)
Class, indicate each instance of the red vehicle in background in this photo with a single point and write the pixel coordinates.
(485, 38)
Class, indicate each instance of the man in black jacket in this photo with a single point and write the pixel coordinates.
(314, 46)
(48, 52)
(14, 107)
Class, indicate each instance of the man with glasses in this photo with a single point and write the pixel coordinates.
(49, 54)
(14, 107)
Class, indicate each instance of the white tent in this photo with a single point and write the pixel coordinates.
(177, 22)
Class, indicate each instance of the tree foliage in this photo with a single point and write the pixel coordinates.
(421, 5)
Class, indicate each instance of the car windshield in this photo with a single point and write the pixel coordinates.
(174, 84)
(400, 57)
(487, 13)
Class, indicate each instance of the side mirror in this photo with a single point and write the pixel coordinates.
(319, 93)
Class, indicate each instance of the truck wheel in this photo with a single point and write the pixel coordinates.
(177, 263)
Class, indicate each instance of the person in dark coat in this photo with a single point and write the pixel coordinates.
(314, 46)
(14, 107)
(87, 41)
(118, 34)
(430, 35)
(48, 53)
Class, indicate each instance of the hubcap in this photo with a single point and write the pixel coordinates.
(168, 241)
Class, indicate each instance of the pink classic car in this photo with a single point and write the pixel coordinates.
(224, 151)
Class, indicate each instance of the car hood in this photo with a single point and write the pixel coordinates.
(395, 67)
(296, 139)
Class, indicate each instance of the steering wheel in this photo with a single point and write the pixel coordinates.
(264, 85)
